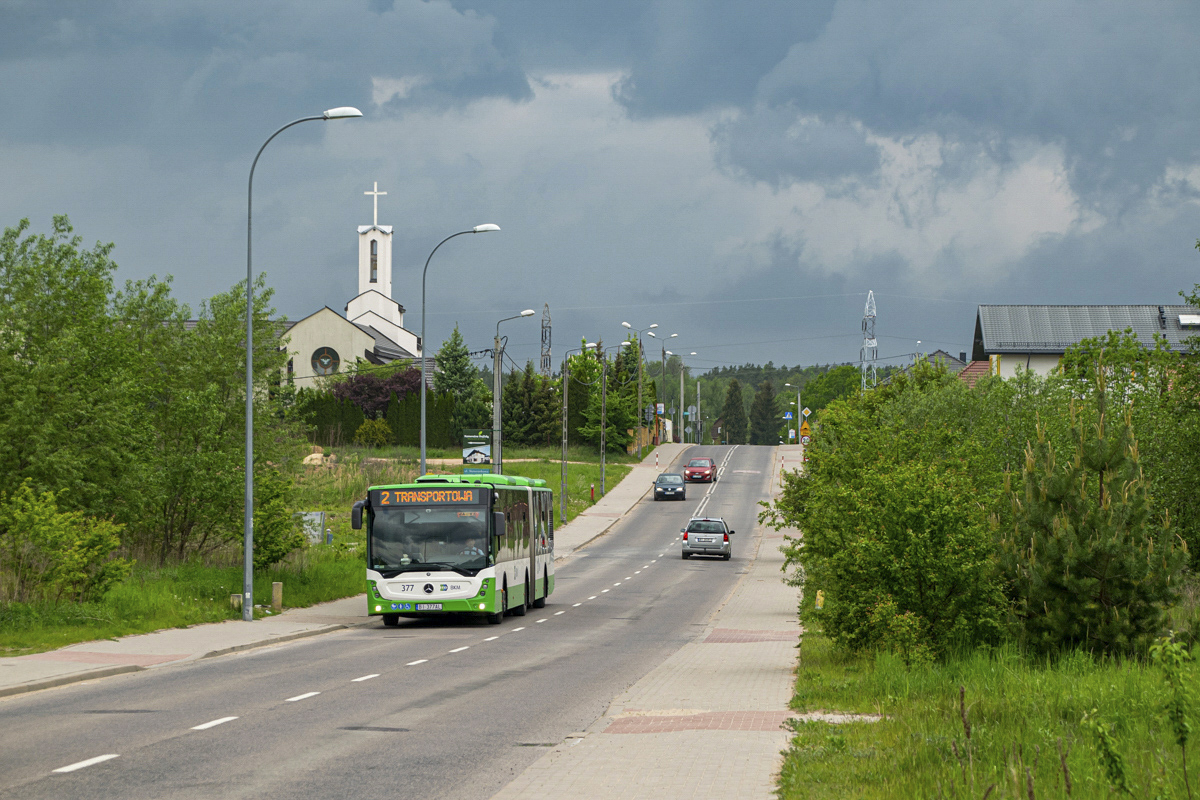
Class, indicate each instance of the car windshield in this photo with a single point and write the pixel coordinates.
(706, 526)
(414, 538)
(699, 462)
(669, 479)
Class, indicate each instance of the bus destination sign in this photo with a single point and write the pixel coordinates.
(426, 497)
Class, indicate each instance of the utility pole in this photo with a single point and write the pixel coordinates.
(697, 420)
(546, 340)
(870, 345)
(603, 417)
(562, 495)
(682, 431)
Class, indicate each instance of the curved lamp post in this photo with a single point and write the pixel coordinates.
(640, 410)
(497, 365)
(424, 359)
(799, 416)
(343, 112)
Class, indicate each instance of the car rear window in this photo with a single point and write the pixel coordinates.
(706, 527)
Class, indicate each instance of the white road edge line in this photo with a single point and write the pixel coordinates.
(365, 677)
(418, 661)
(304, 696)
(460, 649)
(88, 763)
(214, 723)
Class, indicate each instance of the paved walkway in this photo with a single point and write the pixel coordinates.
(707, 722)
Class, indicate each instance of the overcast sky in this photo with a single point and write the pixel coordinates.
(741, 173)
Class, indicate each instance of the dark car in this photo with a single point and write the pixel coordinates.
(700, 468)
(707, 536)
(670, 486)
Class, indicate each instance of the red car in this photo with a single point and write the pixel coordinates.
(701, 468)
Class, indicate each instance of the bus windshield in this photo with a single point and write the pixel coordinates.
(414, 538)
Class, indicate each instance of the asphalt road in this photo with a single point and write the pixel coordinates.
(442, 709)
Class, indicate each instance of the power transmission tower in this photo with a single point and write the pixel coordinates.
(870, 345)
(546, 341)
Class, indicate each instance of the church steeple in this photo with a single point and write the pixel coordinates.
(375, 253)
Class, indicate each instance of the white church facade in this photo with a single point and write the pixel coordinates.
(372, 329)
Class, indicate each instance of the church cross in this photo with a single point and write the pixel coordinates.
(376, 199)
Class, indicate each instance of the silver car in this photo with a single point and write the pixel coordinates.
(707, 536)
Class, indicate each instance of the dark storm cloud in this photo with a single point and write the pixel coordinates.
(779, 145)
(185, 74)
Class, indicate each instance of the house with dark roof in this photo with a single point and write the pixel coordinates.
(1031, 337)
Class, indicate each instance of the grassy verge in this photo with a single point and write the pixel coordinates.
(152, 599)
(175, 597)
(1023, 733)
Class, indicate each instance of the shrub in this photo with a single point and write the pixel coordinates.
(1088, 563)
(276, 531)
(373, 433)
(50, 554)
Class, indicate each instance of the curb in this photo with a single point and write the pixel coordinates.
(287, 637)
(63, 680)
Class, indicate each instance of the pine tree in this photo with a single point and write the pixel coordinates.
(1088, 562)
(459, 377)
(734, 415)
(764, 416)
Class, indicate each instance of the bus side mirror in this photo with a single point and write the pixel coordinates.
(356, 515)
(498, 524)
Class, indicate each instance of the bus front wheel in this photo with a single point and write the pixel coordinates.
(391, 620)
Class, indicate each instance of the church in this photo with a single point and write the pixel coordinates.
(372, 328)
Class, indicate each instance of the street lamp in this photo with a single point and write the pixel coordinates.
(566, 385)
(497, 365)
(664, 365)
(682, 435)
(342, 112)
(799, 416)
(640, 411)
(485, 228)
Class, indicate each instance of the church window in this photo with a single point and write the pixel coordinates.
(374, 261)
(325, 361)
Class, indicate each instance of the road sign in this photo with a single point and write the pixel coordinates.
(804, 440)
(688, 427)
(787, 415)
(691, 411)
(662, 410)
(806, 412)
(804, 429)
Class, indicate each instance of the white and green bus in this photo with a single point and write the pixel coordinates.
(478, 544)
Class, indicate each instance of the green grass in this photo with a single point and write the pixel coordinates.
(1018, 713)
(188, 594)
(175, 597)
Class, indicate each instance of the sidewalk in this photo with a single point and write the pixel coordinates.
(707, 722)
(99, 659)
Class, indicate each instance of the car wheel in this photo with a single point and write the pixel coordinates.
(728, 556)
(391, 620)
(686, 556)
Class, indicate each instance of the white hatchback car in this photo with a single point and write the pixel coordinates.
(707, 536)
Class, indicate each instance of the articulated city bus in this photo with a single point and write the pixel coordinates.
(479, 544)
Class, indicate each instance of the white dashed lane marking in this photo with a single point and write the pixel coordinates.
(214, 723)
(460, 649)
(514, 630)
(304, 696)
(418, 661)
(491, 638)
(556, 613)
(365, 677)
(88, 763)
(593, 597)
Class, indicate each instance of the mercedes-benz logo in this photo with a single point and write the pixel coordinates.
(429, 588)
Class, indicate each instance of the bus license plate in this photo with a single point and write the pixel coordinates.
(429, 606)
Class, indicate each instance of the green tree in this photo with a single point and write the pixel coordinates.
(764, 416)
(835, 384)
(734, 415)
(276, 529)
(459, 377)
(1090, 564)
(613, 392)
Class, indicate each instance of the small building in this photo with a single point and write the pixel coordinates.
(1036, 337)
